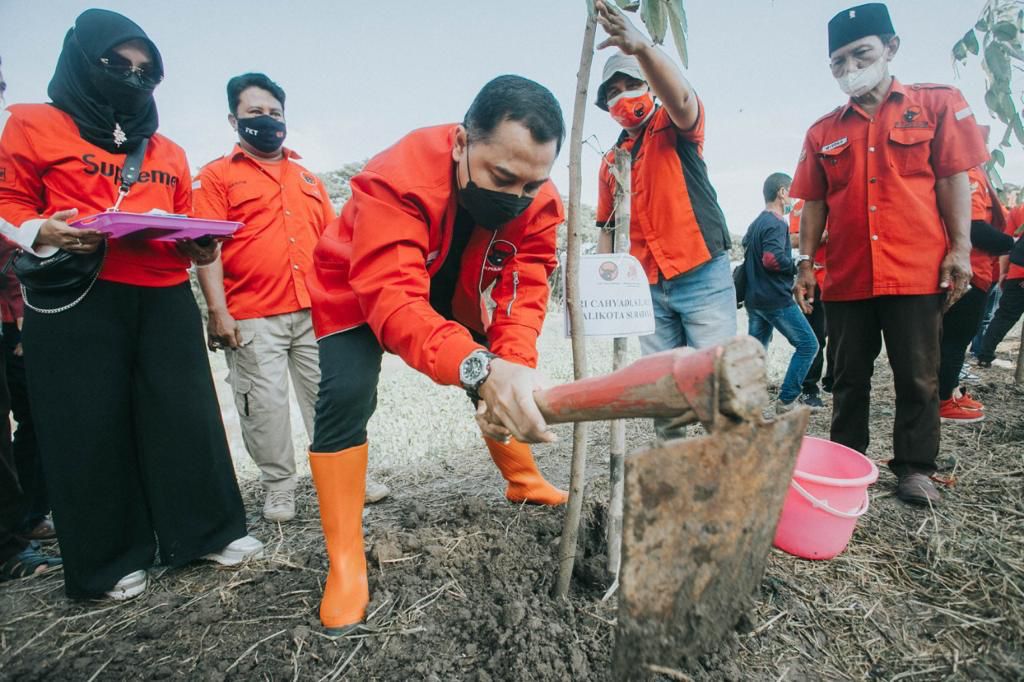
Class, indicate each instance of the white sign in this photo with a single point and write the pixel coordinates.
(614, 296)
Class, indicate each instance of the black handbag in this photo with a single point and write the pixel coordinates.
(61, 281)
(739, 281)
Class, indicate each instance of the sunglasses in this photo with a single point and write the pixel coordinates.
(122, 69)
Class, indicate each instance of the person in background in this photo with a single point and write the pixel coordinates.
(811, 395)
(19, 558)
(129, 427)
(1014, 228)
(1011, 304)
(35, 524)
(677, 229)
(769, 300)
(988, 242)
(259, 306)
(887, 170)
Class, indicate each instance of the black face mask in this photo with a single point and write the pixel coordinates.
(128, 95)
(490, 209)
(264, 133)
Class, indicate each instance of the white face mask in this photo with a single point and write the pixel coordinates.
(862, 81)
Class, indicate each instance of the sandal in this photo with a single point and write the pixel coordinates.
(25, 564)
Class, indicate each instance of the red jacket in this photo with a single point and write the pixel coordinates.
(373, 263)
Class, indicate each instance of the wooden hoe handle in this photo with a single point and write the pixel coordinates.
(689, 385)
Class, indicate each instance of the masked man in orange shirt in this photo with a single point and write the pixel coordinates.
(256, 291)
(441, 256)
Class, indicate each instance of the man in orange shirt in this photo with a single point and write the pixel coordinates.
(256, 291)
(961, 321)
(677, 230)
(441, 256)
(888, 171)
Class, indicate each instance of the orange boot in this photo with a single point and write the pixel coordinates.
(340, 479)
(525, 484)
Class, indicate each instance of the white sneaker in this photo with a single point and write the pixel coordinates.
(238, 551)
(130, 586)
(375, 491)
(279, 505)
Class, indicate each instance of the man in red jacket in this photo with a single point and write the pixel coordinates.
(887, 170)
(441, 256)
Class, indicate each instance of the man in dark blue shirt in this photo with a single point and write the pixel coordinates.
(769, 270)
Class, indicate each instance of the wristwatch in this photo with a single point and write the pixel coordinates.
(474, 370)
(801, 258)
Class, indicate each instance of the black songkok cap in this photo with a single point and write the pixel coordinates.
(858, 22)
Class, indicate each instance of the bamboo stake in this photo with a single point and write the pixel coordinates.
(617, 459)
(571, 526)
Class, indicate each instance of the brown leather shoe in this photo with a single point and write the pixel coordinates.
(917, 488)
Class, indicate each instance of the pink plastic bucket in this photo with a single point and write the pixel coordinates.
(827, 495)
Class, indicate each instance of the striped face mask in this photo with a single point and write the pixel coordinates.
(632, 108)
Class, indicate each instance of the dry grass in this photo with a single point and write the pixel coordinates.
(918, 595)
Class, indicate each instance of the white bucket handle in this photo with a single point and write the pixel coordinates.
(824, 505)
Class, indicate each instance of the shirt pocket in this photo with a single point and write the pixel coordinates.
(838, 164)
(242, 196)
(910, 150)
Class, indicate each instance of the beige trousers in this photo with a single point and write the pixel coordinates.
(272, 348)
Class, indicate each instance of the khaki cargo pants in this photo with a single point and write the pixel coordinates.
(272, 348)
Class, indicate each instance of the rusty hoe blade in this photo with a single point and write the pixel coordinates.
(699, 518)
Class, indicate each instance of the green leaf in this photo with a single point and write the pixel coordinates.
(969, 40)
(652, 12)
(1005, 30)
(960, 51)
(982, 25)
(1018, 128)
(1005, 142)
(590, 9)
(998, 157)
(998, 63)
(677, 22)
(628, 5)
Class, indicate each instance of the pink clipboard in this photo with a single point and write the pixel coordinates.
(155, 226)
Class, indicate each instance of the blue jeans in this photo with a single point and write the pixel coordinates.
(994, 294)
(792, 324)
(696, 309)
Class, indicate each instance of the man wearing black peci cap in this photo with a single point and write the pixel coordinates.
(888, 170)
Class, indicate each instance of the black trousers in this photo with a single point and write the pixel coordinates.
(10, 491)
(1011, 307)
(959, 325)
(130, 432)
(910, 326)
(349, 373)
(817, 321)
(27, 461)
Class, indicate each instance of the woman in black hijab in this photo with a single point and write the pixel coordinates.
(129, 427)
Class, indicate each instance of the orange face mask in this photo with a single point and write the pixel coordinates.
(631, 108)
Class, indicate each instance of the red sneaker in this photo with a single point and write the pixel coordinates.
(952, 412)
(968, 403)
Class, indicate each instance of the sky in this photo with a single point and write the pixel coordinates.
(359, 75)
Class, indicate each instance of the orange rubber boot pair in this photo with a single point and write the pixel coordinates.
(525, 483)
(340, 479)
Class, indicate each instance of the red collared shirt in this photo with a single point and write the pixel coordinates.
(285, 209)
(877, 175)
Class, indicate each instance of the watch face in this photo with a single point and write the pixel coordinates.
(472, 369)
